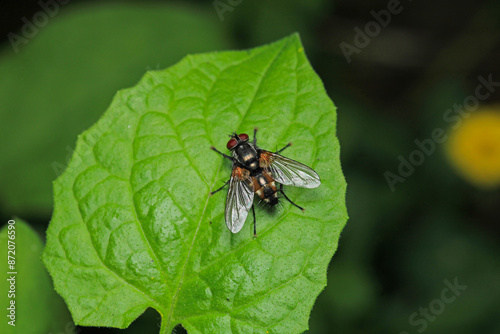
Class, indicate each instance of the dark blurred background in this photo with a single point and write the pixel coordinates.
(424, 213)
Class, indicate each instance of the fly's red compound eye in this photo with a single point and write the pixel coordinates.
(243, 136)
(231, 143)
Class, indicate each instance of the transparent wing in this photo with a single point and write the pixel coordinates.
(290, 172)
(238, 203)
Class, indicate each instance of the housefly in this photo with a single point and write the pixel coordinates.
(256, 171)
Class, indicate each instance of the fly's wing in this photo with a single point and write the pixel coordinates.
(238, 203)
(290, 172)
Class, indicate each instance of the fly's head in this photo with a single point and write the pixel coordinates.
(236, 140)
(242, 150)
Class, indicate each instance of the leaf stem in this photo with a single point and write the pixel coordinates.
(166, 327)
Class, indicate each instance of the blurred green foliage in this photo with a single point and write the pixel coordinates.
(256, 23)
(38, 308)
(61, 82)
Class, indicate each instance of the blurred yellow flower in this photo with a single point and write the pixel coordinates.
(474, 147)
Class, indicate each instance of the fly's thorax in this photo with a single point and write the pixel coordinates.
(247, 156)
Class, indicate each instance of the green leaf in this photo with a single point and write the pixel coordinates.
(134, 225)
(38, 309)
(60, 82)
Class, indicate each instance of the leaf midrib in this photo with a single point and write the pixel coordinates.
(168, 325)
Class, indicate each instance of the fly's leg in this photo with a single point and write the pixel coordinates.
(254, 224)
(227, 157)
(224, 155)
(225, 184)
(289, 200)
(286, 146)
(255, 135)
